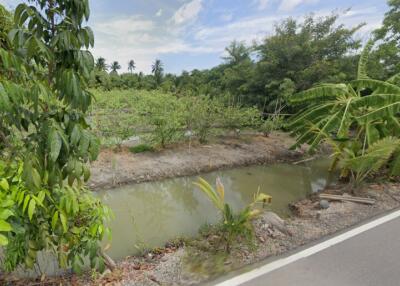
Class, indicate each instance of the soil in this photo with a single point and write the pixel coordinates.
(118, 167)
(203, 259)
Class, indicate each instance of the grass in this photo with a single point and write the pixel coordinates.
(141, 148)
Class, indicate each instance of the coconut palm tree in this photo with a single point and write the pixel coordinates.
(101, 64)
(115, 66)
(236, 53)
(131, 66)
(157, 69)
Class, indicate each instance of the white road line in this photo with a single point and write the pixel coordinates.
(238, 280)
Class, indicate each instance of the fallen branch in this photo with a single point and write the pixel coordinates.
(108, 261)
(304, 161)
(347, 198)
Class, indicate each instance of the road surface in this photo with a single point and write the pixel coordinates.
(368, 255)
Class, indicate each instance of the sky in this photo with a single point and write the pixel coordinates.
(192, 34)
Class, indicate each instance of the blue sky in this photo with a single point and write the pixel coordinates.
(189, 34)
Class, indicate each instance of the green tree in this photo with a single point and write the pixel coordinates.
(43, 167)
(131, 66)
(101, 64)
(158, 70)
(115, 66)
(237, 53)
(6, 24)
(385, 60)
(314, 51)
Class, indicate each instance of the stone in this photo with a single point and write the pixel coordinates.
(324, 204)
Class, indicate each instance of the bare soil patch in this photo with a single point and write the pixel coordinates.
(114, 168)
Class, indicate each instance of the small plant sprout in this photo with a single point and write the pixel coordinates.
(233, 226)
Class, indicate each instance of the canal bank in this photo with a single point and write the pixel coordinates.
(118, 166)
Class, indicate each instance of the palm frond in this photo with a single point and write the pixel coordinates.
(377, 86)
(362, 63)
(377, 156)
(319, 93)
(394, 79)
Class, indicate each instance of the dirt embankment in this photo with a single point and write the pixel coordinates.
(114, 168)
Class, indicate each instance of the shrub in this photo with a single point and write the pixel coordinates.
(141, 148)
(233, 225)
(271, 124)
(236, 118)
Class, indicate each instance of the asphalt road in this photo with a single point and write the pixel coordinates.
(371, 258)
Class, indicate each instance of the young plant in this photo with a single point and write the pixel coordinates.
(233, 226)
(271, 124)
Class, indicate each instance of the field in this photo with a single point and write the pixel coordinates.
(161, 118)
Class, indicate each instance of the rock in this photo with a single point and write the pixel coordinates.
(324, 204)
(261, 239)
(131, 142)
(276, 222)
(189, 133)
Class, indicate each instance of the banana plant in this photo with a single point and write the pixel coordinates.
(350, 117)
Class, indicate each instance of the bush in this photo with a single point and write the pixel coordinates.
(271, 124)
(233, 226)
(141, 148)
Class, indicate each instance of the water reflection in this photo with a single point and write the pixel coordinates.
(149, 214)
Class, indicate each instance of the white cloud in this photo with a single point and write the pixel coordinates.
(288, 5)
(141, 39)
(159, 13)
(226, 17)
(262, 4)
(248, 30)
(188, 12)
(125, 26)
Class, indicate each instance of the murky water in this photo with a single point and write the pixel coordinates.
(149, 214)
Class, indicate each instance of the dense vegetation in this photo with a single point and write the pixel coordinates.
(360, 120)
(163, 118)
(45, 138)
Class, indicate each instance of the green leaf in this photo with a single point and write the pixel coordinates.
(55, 145)
(75, 135)
(5, 214)
(54, 221)
(5, 226)
(31, 209)
(26, 201)
(3, 240)
(4, 184)
(63, 219)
